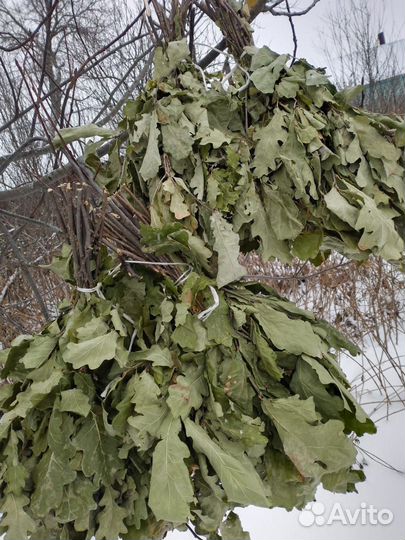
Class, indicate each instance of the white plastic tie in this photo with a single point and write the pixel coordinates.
(247, 83)
(184, 276)
(106, 389)
(232, 71)
(132, 339)
(128, 318)
(200, 69)
(96, 289)
(203, 316)
(114, 271)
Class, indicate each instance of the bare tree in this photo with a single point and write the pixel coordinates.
(63, 63)
(357, 54)
(69, 63)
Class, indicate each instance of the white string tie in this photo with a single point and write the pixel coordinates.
(203, 316)
(114, 271)
(200, 69)
(128, 318)
(184, 276)
(132, 339)
(96, 289)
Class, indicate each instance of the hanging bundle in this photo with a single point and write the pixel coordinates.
(133, 412)
(172, 391)
(278, 160)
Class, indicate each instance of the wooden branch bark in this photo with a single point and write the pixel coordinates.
(25, 269)
(222, 45)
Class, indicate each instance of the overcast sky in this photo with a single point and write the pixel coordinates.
(275, 32)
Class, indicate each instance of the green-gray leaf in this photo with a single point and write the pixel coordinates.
(92, 352)
(227, 246)
(292, 335)
(38, 351)
(314, 448)
(68, 135)
(151, 161)
(239, 479)
(75, 401)
(171, 491)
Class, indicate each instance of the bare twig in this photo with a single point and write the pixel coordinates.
(24, 268)
(7, 285)
(49, 181)
(89, 64)
(222, 45)
(294, 34)
(31, 37)
(296, 276)
(193, 532)
(99, 119)
(21, 153)
(272, 9)
(30, 220)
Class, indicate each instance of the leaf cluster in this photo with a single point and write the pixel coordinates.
(246, 407)
(141, 409)
(280, 164)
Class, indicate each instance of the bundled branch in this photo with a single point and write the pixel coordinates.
(174, 386)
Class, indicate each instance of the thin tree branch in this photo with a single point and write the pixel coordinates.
(301, 277)
(30, 220)
(19, 153)
(102, 120)
(294, 34)
(288, 13)
(222, 45)
(7, 285)
(24, 268)
(11, 86)
(87, 66)
(22, 44)
(193, 532)
(45, 73)
(49, 181)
